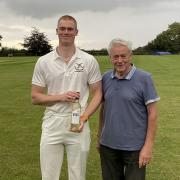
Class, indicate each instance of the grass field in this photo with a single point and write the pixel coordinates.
(20, 122)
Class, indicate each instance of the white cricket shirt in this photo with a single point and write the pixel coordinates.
(58, 77)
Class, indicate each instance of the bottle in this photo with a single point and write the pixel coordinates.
(75, 116)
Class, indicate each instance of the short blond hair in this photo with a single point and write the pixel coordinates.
(68, 17)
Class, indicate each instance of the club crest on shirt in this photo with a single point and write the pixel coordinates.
(79, 67)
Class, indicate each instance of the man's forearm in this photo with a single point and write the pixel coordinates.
(146, 151)
(43, 99)
(152, 125)
(94, 104)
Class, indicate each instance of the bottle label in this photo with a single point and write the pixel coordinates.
(76, 116)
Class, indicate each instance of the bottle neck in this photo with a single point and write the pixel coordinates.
(76, 101)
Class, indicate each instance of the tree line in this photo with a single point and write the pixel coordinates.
(37, 44)
(168, 41)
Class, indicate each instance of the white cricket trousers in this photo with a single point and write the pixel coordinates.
(56, 138)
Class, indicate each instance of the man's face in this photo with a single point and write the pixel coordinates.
(66, 32)
(121, 59)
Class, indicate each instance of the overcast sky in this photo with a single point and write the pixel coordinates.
(98, 20)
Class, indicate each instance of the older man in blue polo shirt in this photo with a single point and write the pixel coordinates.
(128, 117)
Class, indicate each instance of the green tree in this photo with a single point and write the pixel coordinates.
(0, 40)
(168, 40)
(6, 51)
(37, 43)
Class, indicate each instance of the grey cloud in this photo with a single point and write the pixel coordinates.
(10, 29)
(45, 8)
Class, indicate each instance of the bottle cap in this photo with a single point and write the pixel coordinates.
(78, 93)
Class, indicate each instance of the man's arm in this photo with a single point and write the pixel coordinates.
(96, 91)
(39, 97)
(146, 151)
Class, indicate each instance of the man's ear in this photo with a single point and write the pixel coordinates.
(131, 56)
(77, 31)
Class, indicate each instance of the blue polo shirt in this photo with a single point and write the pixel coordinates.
(125, 109)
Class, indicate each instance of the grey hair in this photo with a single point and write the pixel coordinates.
(121, 42)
